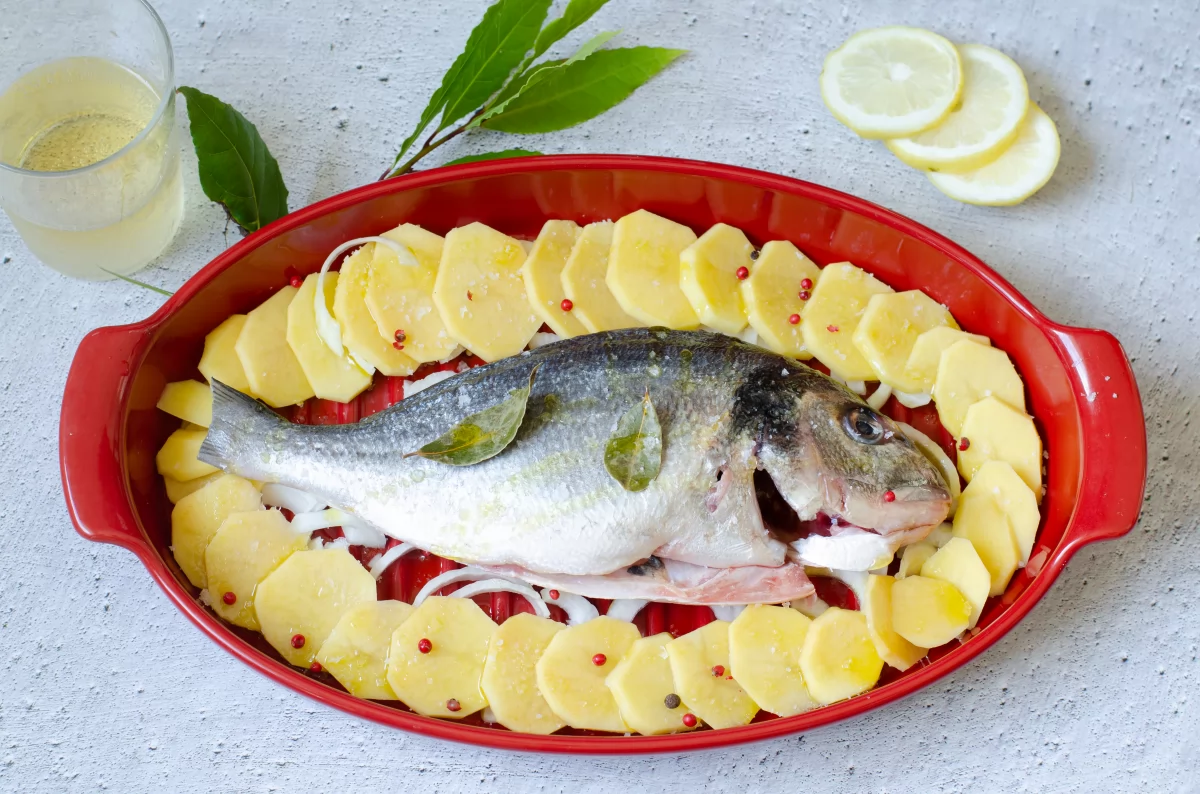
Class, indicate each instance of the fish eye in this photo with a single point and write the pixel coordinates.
(864, 426)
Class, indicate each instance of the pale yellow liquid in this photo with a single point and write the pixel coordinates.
(119, 215)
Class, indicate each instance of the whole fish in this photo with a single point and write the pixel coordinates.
(758, 452)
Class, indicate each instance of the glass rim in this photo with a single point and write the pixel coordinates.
(163, 101)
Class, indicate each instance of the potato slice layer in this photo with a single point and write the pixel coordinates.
(643, 270)
(928, 612)
(981, 520)
(764, 657)
(641, 683)
(198, 516)
(360, 334)
(583, 281)
(1001, 483)
(772, 295)
(701, 668)
(959, 564)
(998, 432)
(708, 276)
(889, 329)
(481, 295)
(895, 650)
(839, 659)
(572, 682)
(189, 400)
(967, 373)
(177, 456)
(542, 272)
(331, 376)
(300, 602)
(271, 367)
(445, 682)
(510, 674)
(220, 360)
(839, 300)
(400, 297)
(356, 652)
(246, 548)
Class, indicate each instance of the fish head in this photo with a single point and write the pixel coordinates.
(841, 466)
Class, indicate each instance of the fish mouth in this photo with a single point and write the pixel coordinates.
(829, 539)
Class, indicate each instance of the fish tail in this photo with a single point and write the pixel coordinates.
(240, 424)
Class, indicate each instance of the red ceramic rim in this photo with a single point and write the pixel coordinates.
(1075, 536)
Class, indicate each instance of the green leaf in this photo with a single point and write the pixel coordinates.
(236, 169)
(137, 283)
(481, 435)
(576, 13)
(633, 454)
(582, 90)
(591, 45)
(507, 153)
(496, 45)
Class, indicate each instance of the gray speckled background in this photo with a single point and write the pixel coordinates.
(106, 686)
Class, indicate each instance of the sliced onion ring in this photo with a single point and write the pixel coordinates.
(289, 498)
(578, 609)
(625, 609)
(727, 612)
(468, 574)
(879, 396)
(938, 457)
(505, 586)
(913, 400)
(327, 327)
(381, 563)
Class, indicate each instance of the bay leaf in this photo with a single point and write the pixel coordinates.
(481, 435)
(633, 454)
(236, 168)
(582, 90)
(576, 13)
(507, 153)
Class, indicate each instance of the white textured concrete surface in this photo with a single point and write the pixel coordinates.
(106, 686)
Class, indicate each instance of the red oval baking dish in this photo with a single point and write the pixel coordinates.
(1081, 389)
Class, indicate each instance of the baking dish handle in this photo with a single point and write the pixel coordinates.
(89, 437)
(1113, 437)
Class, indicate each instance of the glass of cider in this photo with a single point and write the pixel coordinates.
(89, 150)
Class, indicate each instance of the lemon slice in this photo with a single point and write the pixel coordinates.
(892, 82)
(994, 100)
(1017, 174)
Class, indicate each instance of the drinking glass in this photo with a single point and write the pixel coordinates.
(89, 149)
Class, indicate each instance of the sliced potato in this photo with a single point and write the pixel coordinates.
(839, 659)
(198, 516)
(271, 367)
(331, 376)
(981, 520)
(571, 681)
(998, 432)
(583, 281)
(959, 564)
(643, 270)
(641, 683)
(701, 668)
(914, 557)
(481, 295)
(510, 674)
(889, 329)
(928, 612)
(708, 277)
(445, 681)
(360, 334)
(356, 652)
(764, 657)
(542, 273)
(177, 457)
(877, 606)
(922, 364)
(177, 489)
(246, 548)
(1015, 500)
(838, 303)
(220, 361)
(772, 297)
(969, 372)
(299, 603)
(189, 400)
(400, 297)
